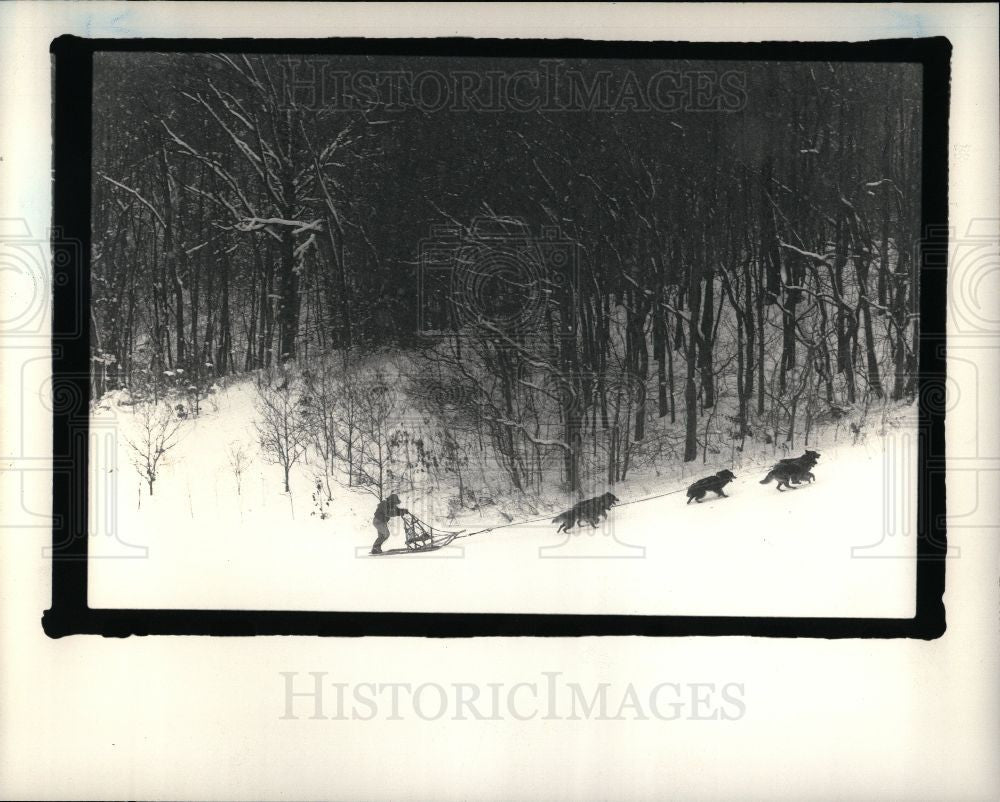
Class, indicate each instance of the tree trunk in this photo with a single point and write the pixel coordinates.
(225, 333)
(660, 355)
(640, 364)
(748, 323)
(760, 343)
(706, 345)
(690, 386)
(172, 257)
(288, 298)
(572, 413)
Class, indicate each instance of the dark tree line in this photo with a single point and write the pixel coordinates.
(693, 278)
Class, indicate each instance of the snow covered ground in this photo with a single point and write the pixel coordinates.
(843, 546)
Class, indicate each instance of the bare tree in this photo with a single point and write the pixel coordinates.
(350, 391)
(318, 406)
(158, 432)
(453, 459)
(379, 439)
(280, 426)
(239, 460)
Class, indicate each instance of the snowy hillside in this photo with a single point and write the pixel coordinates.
(198, 543)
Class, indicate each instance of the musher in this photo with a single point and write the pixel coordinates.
(386, 509)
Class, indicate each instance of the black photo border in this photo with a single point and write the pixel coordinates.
(70, 613)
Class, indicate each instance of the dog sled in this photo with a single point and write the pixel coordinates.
(421, 537)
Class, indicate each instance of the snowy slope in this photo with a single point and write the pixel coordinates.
(840, 547)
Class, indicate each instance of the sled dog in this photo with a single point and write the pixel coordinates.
(714, 484)
(591, 511)
(793, 470)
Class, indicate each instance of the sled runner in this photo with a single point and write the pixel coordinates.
(421, 537)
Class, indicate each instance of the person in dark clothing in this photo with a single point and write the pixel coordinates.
(386, 509)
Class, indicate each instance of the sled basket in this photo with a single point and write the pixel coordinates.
(418, 534)
(422, 537)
